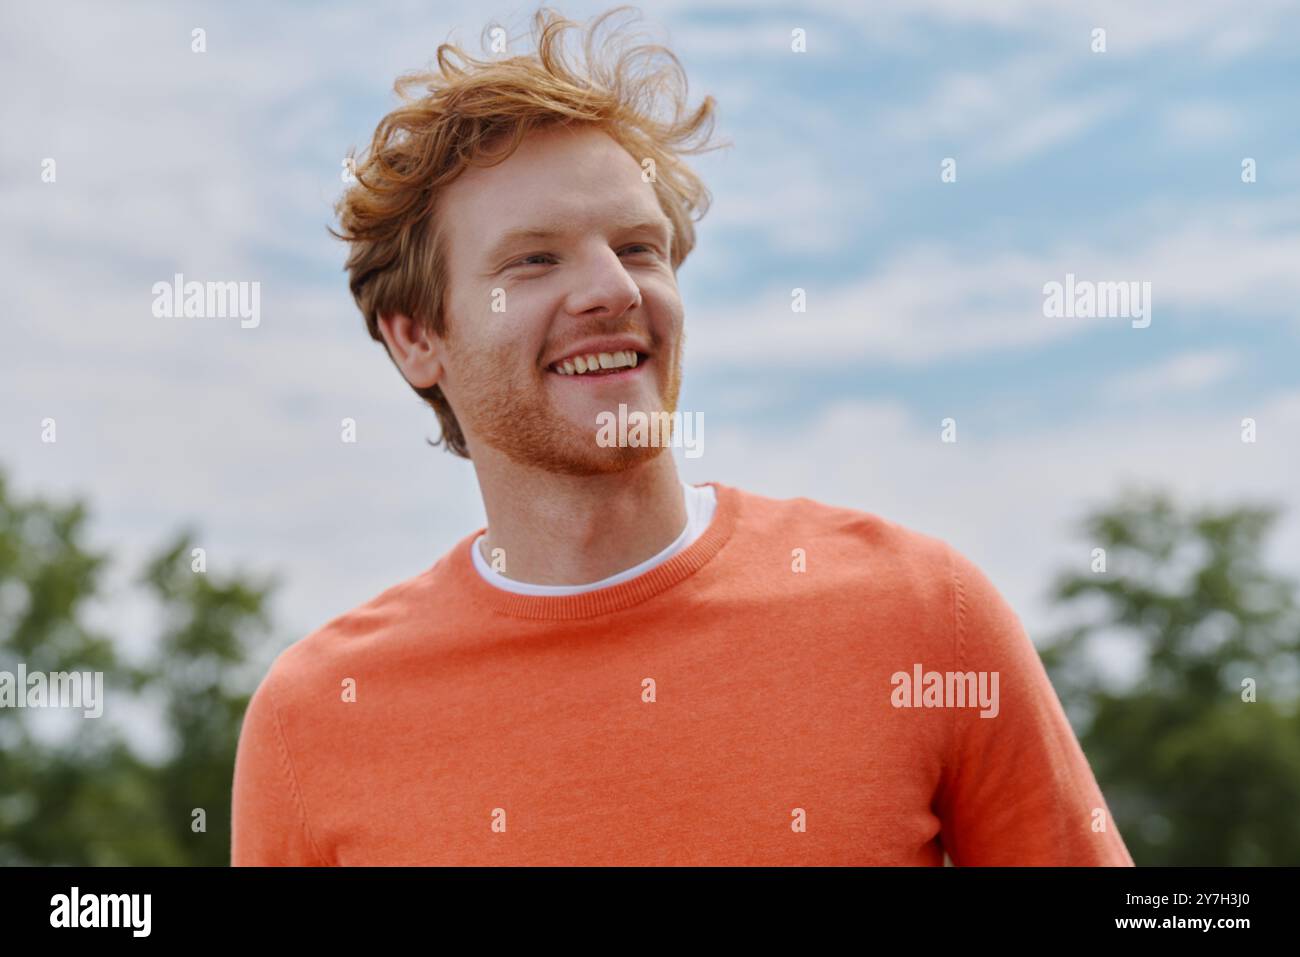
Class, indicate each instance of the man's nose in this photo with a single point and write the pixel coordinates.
(602, 286)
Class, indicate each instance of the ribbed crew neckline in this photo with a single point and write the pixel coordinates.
(603, 601)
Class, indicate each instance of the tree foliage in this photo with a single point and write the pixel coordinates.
(1194, 771)
(89, 798)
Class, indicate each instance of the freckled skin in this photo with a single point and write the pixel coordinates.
(492, 361)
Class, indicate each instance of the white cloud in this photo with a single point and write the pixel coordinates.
(1190, 372)
(1201, 121)
(789, 198)
(936, 301)
(1003, 113)
(1197, 26)
(1047, 124)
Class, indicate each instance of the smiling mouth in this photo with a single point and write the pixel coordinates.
(599, 364)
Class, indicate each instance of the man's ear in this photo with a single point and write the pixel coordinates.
(415, 350)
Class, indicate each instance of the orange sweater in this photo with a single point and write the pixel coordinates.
(751, 701)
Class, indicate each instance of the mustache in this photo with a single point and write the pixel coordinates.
(603, 329)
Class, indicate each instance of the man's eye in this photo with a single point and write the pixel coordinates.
(531, 260)
(525, 260)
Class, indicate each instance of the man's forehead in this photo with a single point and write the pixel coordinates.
(556, 183)
(556, 219)
(550, 159)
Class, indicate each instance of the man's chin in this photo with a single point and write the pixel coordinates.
(572, 436)
(593, 459)
(575, 456)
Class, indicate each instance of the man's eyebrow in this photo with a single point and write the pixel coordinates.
(513, 237)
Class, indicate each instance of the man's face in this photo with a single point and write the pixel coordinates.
(560, 251)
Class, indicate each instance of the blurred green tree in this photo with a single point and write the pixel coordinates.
(1194, 773)
(88, 798)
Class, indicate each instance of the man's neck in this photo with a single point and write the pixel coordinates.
(571, 530)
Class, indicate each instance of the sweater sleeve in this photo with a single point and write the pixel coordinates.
(268, 820)
(1017, 789)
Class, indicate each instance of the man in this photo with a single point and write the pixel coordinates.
(623, 669)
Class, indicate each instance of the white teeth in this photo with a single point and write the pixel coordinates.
(577, 365)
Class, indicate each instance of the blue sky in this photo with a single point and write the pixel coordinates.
(924, 297)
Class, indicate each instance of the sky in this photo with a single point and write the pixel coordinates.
(925, 293)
